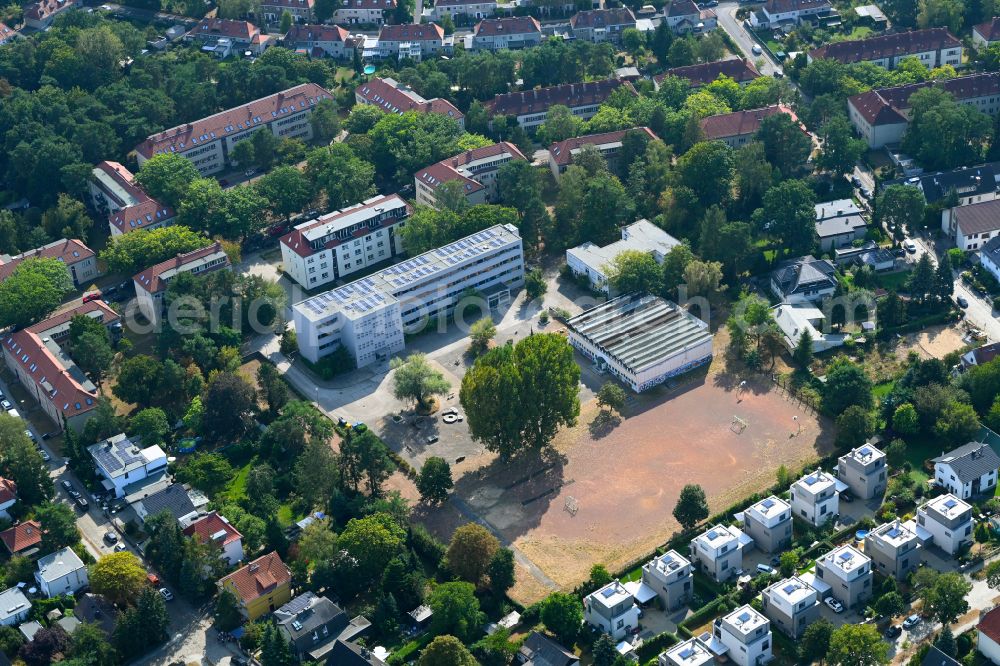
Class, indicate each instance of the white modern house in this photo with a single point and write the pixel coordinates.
(746, 636)
(593, 260)
(864, 471)
(816, 497)
(611, 610)
(894, 548)
(947, 522)
(848, 572)
(768, 523)
(794, 319)
(14, 607)
(791, 604)
(967, 471)
(61, 572)
(121, 462)
(719, 551)
(692, 652)
(671, 577)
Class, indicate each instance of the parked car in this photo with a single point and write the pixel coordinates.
(962, 301)
(765, 569)
(6, 404)
(910, 246)
(166, 594)
(834, 605)
(432, 439)
(847, 497)
(82, 502)
(757, 50)
(66, 484)
(45, 454)
(31, 436)
(110, 537)
(120, 547)
(92, 296)
(893, 632)
(911, 622)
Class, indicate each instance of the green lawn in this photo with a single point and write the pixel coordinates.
(892, 281)
(237, 488)
(882, 390)
(919, 449)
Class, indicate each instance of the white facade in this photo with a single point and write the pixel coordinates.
(747, 634)
(949, 522)
(477, 170)
(338, 244)
(366, 12)
(611, 610)
(692, 652)
(848, 572)
(369, 316)
(792, 604)
(972, 226)
(120, 462)
(816, 497)
(989, 257)
(719, 551)
(967, 471)
(62, 572)
(593, 261)
(478, 9)
(670, 576)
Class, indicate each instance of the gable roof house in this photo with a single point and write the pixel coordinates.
(989, 256)
(476, 9)
(969, 470)
(988, 635)
(363, 12)
(413, 40)
(839, 223)
(607, 143)
(804, 279)
(684, 17)
(114, 191)
(985, 35)
(319, 41)
(970, 185)
(215, 529)
(933, 47)
(971, 226)
(740, 70)
(7, 34)
(392, 96)
(313, 624)
(540, 650)
(151, 284)
(174, 499)
(301, 10)
(515, 32)
(80, 261)
(39, 15)
(23, 538)
(738, 128)
(789, 13)
(477, 170)
(531, 107)
(985, 353)
(602, 25)
(261, 586)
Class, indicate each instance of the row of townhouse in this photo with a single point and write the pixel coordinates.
(114, 192)
(392, 96)
(225, 37)
(80, 261)
(684, 17)
(530, 107)
(933, 47)
(477, 171)
(740, 70)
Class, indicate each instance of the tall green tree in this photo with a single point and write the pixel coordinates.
(434, 480)
(857, 645)
(35, 288)
(336, 171)
(563, 615)
(455, 610)
(841, 150)
(446, 651)
(635, 271)
(415, 379)
(786, 145)
(901, 208)
(789, 213)
(692, 506)
(166, 177)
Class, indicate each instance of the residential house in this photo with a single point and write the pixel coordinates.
(175, 499)
(215, 529)
(933, 47)
(209, 142)
(318, 41)
(746, 634)
(863, 470)
(301, 11)
(22, 539)
(261, 587)
(848, 572)
(7, 34)
(593, 260)
(515, 32)
(114, 192)
(39, 15)
(971, 226)
(611, 610)
(882, 115)
(151, 284)
(120, 462)
(540, 650)
(985, 35)
(561, 153)
(988, 635)
(740, 70)
(804, 279)
(984, 353)
(338, 244)
(839, 223)
(671, 576)
(816, 497)
(769, 523)
(685, 17)
(935, 657)
(472, 9)
(477, 170)
(989, 256)
(894, 548)
(61, 572)
(967, 184)
(363, 12)
(14, 607)
(8, 497)
(414, 41)
(96, 609)
(967, 471)
(948, 520)
(718, 551)
(48, 373)
(794, 319)
(692, 652)
(223, 37)
(392, 96)
(872, 16)
(791, 604)
(80, 261)
(531, 107)
(602, 25)
(353, 654)
(788, 13)
(29, 629)
(739, 128)
(312, 625)
(867, 254)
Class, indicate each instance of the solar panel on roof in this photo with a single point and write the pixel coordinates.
(768, 503)
(846, 556)
(951, 504)
(712, 535)
(607, 593)
(788, 589)
(894, 533)
(686, 653)
(744, 617)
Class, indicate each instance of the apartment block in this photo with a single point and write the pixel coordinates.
(894, 548)
(151, 284)
(392, 96)
(363, 12)
(692, 652)
(948, 520)
(933, 47)
(592, 260)
(671, 576)
(531, 107)
(740, 127)
(719, 551)
(769, 523)
(515, 32)
(369, 316)
(477, 170)
(330, 41)
(338, 244)
(611, 610)
(208, 142)
(791, 604)
(113, 191)
(816, 497)
(747, 635)
(80, 261)
(848, 572)
(740, 70)
(561, 153)
(864, 471)
(602, 25)
(476, 9)
(414, 41)
(39, 15)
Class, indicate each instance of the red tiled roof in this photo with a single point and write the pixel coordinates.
(259, 577)
(884, 106)
(8, 491)
(394, 97)
(141, 216)
(288, 4)
(989, 624)
(316, 33)
(124, 178)
(22, 537)
(740, 70)
(45, 8)
(207, 527)
(6, 32)
(411, 32)
(68, 251)
(514, 25)
(297, 242)
(191, 135)
(739, 123)
(562, 151)
(108, 316)
(887, 46)
(989, 31)
(785, 6)
(599, 18)
(149, 279)
(368, 4)
(219, 27)
(681, 8)
(447, 170)
(538, 100)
